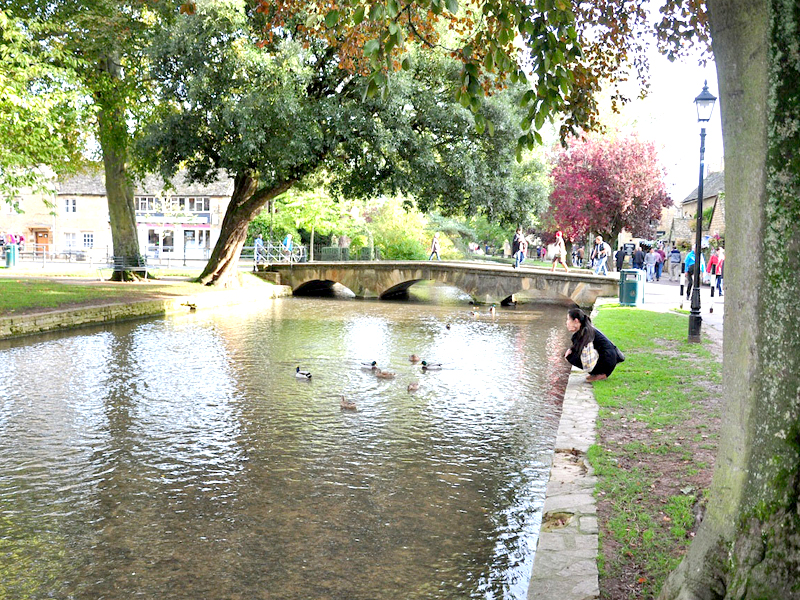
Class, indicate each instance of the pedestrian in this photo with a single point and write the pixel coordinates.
(560, 255)
(674, 263)
(662, 258)
(712, 263)
(258, 249)
(600, 253)
(515, 245)
(650, 263)
(591, 350)
(435, 247)
(620, 258)
(519, 258)
(688, 266)
(720, 268)
(638, 258)
(581, 256)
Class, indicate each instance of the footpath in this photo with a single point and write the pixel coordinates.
(565, 565)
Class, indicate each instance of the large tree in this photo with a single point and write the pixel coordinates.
(271, 116)
(102, 42)
(606, 184)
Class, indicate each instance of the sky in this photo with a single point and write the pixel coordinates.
(668, 117)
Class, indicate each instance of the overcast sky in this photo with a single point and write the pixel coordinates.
(668, 117)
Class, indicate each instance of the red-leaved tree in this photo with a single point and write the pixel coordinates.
(604, 184)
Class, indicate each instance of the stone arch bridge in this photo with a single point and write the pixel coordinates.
(485, 282)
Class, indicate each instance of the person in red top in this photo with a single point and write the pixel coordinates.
(713, 265)
(662, 258)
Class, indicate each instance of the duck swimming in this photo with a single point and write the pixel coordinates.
(414, 358)
(370, 366)
(346, 404)
(384, 374)
(413, 386)
(302, 374)
(426, 366)
(492, 310)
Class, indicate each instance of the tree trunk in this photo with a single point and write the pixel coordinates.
(748, 546)
(221, 269)
(113, 137)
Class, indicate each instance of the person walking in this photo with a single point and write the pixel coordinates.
(674, 263)
(515, 245)
(560, 255)
(258, 249)
(591, 350)
(650, 260)
(637, 260)
(620, 258)
(601, 253)
(688, 267)
(519, 258)
(662, 258)
(720, 269)
(435, 247)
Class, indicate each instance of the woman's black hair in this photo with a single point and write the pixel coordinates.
(585, 333)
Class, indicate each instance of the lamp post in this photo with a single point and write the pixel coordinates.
(705, 106)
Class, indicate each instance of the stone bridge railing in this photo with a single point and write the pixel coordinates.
(485, 282)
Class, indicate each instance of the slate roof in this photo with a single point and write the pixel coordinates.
(92, 183)
(713, 185)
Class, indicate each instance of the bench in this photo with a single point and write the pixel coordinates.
(135, 264)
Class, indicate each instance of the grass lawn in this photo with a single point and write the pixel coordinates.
(657, 437)
(27, 295)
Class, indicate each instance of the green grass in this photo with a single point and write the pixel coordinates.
(654, 393)
(17, 295)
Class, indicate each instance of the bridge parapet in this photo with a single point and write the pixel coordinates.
(486, 283)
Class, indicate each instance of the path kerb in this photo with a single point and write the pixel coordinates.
(565, 566)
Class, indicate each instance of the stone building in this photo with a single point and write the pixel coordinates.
(713, 199)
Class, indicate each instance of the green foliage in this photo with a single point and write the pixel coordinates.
(42, 110)
(406, 249)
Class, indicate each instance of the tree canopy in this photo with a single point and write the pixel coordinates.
(607, 184)
(272, 115)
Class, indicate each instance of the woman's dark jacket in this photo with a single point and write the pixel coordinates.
(608, 358)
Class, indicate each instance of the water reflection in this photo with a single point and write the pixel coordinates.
(181, 458)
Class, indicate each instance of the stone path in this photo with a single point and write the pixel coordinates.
(565, 566)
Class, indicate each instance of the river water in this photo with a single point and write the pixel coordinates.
(181, 457)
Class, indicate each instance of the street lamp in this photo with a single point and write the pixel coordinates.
(705, 106)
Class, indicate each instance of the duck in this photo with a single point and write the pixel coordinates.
(302, 374)
(447, 326)
(414, 358)
(384, 374)
(413, 386)
(346, 404)
(426, 366)
(473, 313)
(370, 366)
(492, 310)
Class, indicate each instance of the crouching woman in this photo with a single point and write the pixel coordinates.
(591, 350)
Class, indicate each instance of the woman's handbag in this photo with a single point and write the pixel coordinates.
(589, 357)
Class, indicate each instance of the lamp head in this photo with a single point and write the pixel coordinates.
(705, 104)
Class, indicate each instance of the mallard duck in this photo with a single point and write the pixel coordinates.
(346, 404)
(492, 310)
(414, 358)
(473, 313)
(426, 366)
(413, 386)
(447, 326)
(370, 366)
(302, 374)
(384, 374)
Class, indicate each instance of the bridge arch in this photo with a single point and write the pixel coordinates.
(485, 283)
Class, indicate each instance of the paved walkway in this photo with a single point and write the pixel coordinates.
(565, 565)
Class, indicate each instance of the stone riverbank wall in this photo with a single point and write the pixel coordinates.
(57, 320)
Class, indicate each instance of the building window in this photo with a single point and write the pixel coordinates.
(199, 204)
(88, 239)
(70, 205)
(70, 239)
(146, 203)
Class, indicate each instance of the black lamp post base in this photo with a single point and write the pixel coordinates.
(695, 320)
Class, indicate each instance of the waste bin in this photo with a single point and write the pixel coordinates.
(11, 255)
(631, 287)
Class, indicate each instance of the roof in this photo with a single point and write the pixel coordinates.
(713, 185)
(92, 183)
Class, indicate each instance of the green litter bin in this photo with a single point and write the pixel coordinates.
(11, 255)
(631, 287)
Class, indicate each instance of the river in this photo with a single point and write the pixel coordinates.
(181, 458)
